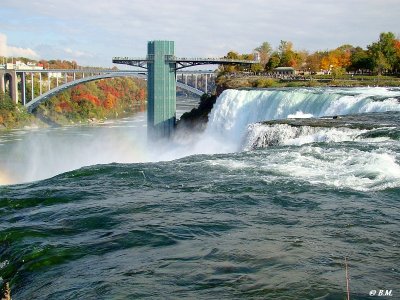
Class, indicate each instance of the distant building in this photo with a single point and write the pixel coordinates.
(19, 65)
(257, 56)
(284, 71)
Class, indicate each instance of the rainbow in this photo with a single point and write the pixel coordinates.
(5, 179)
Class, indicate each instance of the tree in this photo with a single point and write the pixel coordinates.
(265, 51)
(359, 60)
(274, 61)
(232, 55)
(338, 58)
(313, 61)
(257, 68)
(383, 53)
(288, 57)
(397, 47)
(381, 63)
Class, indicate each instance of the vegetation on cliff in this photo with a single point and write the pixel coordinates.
(96, 100)
(13, 115)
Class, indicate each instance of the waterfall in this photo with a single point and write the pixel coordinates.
(236, 109)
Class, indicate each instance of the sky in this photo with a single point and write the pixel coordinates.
(91, 32)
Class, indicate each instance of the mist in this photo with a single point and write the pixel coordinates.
(35, 154)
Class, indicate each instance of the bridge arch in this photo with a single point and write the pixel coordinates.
(8, 83)
(32, 105)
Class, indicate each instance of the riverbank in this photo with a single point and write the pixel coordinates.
(237, 81)
(21, 119)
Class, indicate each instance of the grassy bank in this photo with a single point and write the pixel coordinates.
(233, 82)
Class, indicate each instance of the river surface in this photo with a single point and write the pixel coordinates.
(244, 210)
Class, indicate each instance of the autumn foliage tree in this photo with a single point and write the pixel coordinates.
(99, 99)
(381, 56)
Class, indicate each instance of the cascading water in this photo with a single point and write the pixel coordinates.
(236, 109)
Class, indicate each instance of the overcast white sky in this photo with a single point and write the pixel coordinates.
(93, 31)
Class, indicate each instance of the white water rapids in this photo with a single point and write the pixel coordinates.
(236, 109)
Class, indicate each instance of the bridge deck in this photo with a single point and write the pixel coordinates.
(182, 62)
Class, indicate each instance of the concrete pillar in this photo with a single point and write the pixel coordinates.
(206, 83)
(195, 81)
(186, 79)
(40, 83)
(48, 82)
(32, 90)
(161, 90)
(66, 77)
(23, 86)
(57, 80)
(74, 76)
(2, 83)
(14, 88)
(10, 76)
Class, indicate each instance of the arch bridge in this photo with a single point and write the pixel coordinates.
(51, 82)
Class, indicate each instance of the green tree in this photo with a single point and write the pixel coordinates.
(232, 55)
(337, 72)
(383, 53)
(6, 102)
(359, 60)
(274, 61)
(265, 51)
(288, 57)
(257, 68)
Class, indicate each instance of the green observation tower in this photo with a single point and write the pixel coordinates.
(162, 64)
(161, 89)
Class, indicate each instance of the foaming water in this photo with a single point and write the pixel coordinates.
(261, 136)
(235, 109)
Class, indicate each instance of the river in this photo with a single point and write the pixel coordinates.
(242, 211)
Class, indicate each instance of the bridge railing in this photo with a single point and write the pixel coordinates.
(215, 59)
(173, 58)
(132, 58)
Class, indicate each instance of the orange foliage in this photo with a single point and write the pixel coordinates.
(336, 59)
(63, 107)
(91, 98)
(80, 93)
(108, 89)
(141, 95)
(397, 47)
(110, 101)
